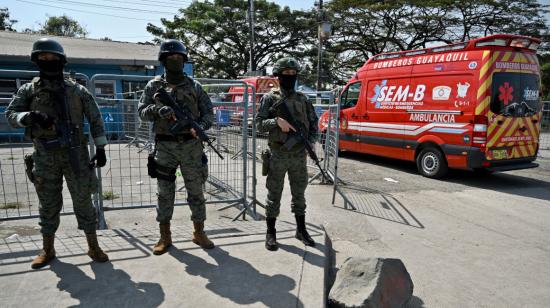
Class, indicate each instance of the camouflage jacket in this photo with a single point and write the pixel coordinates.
(81, 104)
(266, 122)
(191, 90)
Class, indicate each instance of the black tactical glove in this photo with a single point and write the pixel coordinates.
(36, 117)
(166, 112)
(99, 160)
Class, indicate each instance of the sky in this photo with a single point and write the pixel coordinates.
(122, 25)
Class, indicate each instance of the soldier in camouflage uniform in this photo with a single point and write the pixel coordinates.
(283, 160)
(49, 108)
(182, 150)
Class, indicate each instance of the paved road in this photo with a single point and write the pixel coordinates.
(468, 241)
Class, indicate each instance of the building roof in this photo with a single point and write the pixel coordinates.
(16, 46)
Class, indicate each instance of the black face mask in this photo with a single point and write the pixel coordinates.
(174, 70)
(50, 69)
(287, 82)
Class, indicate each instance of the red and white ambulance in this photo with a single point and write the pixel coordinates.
(473, 105)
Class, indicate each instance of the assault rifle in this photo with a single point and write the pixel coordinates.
(184, 118)
(68, 134)
(298, 136)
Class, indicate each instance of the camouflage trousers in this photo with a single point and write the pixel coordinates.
(295, 164)
(47, 175)
(189, 156)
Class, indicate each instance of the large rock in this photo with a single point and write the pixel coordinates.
(372, 283)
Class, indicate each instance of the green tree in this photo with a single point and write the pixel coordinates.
(63, 26)
(363, 28)
(476, 18)
(6, 24)
(217, 35)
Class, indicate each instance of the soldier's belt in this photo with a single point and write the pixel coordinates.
(53, 144)
(279, 147)
(48, 144)
(287, 154)
(177, 138)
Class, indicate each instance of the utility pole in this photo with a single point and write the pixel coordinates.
(251, 17)
(320, 19)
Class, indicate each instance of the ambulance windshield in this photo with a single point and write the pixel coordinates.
(515, 94)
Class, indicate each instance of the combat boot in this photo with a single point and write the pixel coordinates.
(271, 235)
(199, 237)
(94, 251)
(165, 239)
(46, 254)
(301, 232)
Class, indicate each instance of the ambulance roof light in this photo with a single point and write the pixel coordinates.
(415, 52)
(458, 46)
(534, 46)
(387, 56)
(520, 42)
(493, 42)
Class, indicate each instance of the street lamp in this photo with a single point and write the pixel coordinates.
(251, 16)
(323, 33)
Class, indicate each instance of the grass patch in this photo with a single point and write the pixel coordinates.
(11, 158)
(11, 205)
(109, 195)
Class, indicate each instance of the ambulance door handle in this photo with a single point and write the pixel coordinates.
(366, 117)
(523, 128)
(500, 122)
(535, 121)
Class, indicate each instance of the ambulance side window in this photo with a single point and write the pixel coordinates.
(350, 97)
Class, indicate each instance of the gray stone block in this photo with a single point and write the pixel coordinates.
(372, 283)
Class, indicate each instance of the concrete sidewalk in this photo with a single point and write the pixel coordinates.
(238, 272)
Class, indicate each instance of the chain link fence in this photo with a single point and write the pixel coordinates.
(545, 127)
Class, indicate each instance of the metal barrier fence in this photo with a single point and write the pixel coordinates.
(545, 127)
(124, 182)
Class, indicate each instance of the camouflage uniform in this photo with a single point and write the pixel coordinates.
(293, 161)
(184, 151)
(50, 166)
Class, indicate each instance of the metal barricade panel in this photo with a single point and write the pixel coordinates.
(125, 182)
(545, 127)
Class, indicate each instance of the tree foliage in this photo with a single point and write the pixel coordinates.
(6, 24)
(363, 28)
(63, 26)
(217, 31)
(217, 35)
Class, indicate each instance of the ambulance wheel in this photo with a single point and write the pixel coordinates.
(431, 163)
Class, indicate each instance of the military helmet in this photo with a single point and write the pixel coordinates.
(170, 47)
(284, 64)
(47, 45)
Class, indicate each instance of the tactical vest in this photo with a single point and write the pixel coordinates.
(185, 94)
(45, 99)
(297, 105)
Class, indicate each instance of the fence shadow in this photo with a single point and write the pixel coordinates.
(377, 204)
